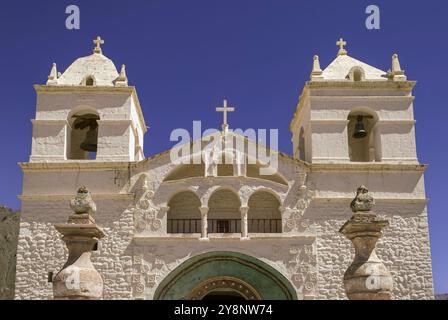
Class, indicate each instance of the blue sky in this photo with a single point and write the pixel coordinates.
(186, 56)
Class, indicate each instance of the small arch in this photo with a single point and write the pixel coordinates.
(364, 139)
(357, 74)
(82, 135)
(224, 214)
(89, 81)
(264, 214)
(184, 215)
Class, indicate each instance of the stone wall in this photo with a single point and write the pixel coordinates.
(41, 249)
(404, 249)
(9, 231)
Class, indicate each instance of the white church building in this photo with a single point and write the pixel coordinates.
(191, 231)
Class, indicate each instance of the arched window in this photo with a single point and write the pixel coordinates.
(90, 82)
(356, 74)
(184, 215)
(302, 155)
(224, 214)
(264, 213)
(82, 138)
(364, 140)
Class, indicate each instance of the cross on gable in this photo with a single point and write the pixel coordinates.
(225, 109)
(341, 43)
(98, 42)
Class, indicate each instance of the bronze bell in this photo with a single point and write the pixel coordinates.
(360, 130)
(90, 144)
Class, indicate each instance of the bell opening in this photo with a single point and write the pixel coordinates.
(83, 143)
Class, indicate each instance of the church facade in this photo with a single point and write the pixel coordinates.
(194, 231)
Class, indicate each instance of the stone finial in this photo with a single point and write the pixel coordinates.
(122, 80)
(363, 201)
(83, 202)
(317, 71)
(341, 43)
(53, 77)
(367, 278)
(78, 278)
(397, 73)
(98, 42)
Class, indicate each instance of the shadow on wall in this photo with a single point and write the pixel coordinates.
(9, 233)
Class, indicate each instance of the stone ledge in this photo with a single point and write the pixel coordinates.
(377, 200)
(59, 197)
(362, 166)
(73, 165)
(225, 237)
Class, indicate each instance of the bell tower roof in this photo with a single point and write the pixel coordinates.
(340, 68)
(96, 68)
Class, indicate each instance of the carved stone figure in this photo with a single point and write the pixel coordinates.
(363, 201)
(83, 202)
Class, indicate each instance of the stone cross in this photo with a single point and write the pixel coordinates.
(225, 109)
(341, 43)
(98, 42)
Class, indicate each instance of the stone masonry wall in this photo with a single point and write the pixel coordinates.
(40, 248)
(404, 249)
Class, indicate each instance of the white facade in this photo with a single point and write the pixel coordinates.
(142, 202)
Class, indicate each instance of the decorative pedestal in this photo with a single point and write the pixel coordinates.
(78, 279)
(367, 278)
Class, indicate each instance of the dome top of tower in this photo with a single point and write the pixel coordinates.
(93, 70)
(340, 69)
(345, 67)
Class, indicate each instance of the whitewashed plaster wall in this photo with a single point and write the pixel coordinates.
(134, 257)
(120, 125)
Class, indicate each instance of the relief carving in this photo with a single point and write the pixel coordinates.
(294, 217)
(145, 213)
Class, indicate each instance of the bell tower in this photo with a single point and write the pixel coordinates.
(351, 112)
(88, 113)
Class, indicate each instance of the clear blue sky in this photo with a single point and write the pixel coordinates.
(186, 56)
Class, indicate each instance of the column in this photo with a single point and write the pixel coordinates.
(204, 222)
(244, 228)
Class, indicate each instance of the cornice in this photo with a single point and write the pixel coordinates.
(96, 89)
(143, 238)
(87, 165)
(67, 197)
(377, 200)
(367, 167)
(367, 84)
(362, 98)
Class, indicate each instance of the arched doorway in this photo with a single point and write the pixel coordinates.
(225, 276)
